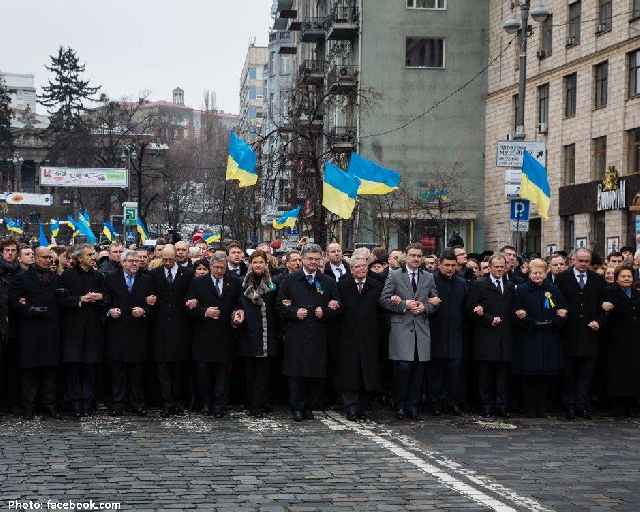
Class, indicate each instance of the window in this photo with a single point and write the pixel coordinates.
(570, 94)
(575, 11)
(634, 74)
(546, 42)
(569, 164)
(599, 157)
(426, 4)
(285, 64)
(604, 16)
(602, 76)
(569, 233)
(252, 73)
(633, 150)
(425, 52)
(272, 64)
(636, 9)
(543, 104)
(252, 92)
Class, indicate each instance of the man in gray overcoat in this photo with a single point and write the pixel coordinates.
(410, 294)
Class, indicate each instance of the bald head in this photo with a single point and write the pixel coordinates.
(168, 255)
(43, 257)
(182, 252)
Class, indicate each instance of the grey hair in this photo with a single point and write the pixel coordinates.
(362, 252)
(126, 253)
(218, 256)
(582, 249)
(79, 251)
(315, 248)
(357, 257)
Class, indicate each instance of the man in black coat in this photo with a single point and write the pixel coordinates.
(489, 305)
(357, 370)
(235, 263)
(308, 301)
(212, 299)
(336, 268)
(82, 305)
(32, 297)
(126, 328)
(446, 336)
(182, 254)
(511, 257)
(585, 294)
(171, 325)
(113, 263)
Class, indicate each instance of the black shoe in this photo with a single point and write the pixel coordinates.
(268, 408)
(140, 412)
(259, 415)
(530, 414)
(177, 411)
(503, 413)
(308, 415)
(218, 414)
(193, 406)
(297, 416)
(412, 414)
(166, 412)
(542, 414)
(116, 412)
(76, 413)
(54, 414)
(584, 413)
(351, 416)
(400, 414)
(435, 411)
(486, 412)
(87, 411)
(28, 414)
(570, 414)
(456, 411)
(206, 410)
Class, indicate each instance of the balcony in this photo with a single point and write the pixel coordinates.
(287, 48)
(311, 72)
(342, 139)
(342, 79)
(342, 24)
(313, 30)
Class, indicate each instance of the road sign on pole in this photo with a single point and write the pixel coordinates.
(509, 153)
(521, 226)
(512, 191)
(519, 209)
(130, 213)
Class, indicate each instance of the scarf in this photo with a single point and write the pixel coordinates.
(254, 288)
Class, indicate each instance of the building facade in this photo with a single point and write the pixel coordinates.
(252, 91)
(22, 90)
(583, 101)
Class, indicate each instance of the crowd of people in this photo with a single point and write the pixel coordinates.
(191, 326)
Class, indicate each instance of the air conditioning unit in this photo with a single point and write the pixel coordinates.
(543, 128)
(602, 27)
(570, 41)
(541, 54)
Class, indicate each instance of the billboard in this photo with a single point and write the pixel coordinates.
(72, 177)
(28, 198)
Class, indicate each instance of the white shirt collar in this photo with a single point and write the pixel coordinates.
(577, 273)
(306, 274)
(336, 266)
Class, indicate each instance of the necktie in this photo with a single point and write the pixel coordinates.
(169, 278)
(499, 285)
(360, 287)
(628, 292)
(129, 282)
(582, 283)
(339, 273)
(414, 284)
(237, 271)
(218, 288)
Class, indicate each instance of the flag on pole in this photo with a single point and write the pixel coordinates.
(142, 230)
(85, 229)
(241, 164)
(209, 238)
(73, 226)
(55, 227)
(374, 179)
(339, 191)
(288, 219)
(42, 239)
(86, 216)
(535, 184)
(13, 226)
(109, 231)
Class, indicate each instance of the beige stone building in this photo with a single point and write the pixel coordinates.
(583, 100)
(251, 91)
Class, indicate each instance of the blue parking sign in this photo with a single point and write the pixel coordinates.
(519, 209)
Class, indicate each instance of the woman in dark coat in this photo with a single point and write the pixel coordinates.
(539, 312)
(622, 350)
(258, 331)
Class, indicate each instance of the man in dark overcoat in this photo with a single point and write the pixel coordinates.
(443, 371)
(489, 305)
(32, 297)
(172, 331)
(126, 329)
(357, 370)
(585, 294)
(308, 301)
(82, 305)
(212, 299)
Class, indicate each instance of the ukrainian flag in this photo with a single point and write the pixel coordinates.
(13, 226)
(339, 191)
(109, 231)
(85, 229)
(535, 184)
(241, 164)
(55, 227)
(42, 239)
(374, 179)
(288, 219)
(209, 238)
(72, 226)
(142, 230)
(86, 216)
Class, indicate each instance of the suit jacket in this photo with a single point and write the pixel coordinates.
(491, 343)
(447, 321)
(407, 328)
(213, 340)
(329, 272)
(172, 329)
(127, 335)
(584, 306)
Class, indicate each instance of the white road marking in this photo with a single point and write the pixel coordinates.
(440, 467)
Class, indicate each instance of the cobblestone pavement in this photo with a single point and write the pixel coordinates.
(239, 463)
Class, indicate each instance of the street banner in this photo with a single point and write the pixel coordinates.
(28, 198)
(75, 177)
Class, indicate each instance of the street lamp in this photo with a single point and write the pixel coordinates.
(539, 13)
(17, 162)
(128, 153)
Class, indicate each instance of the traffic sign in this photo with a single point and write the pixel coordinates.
(513, 177)
(520, 226)
(130, 213)
(519, 210)
(509, 153)
(512, 191)
(131, 236)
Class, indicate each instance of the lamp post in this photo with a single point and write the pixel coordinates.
(128, 152)
(17, 164)
(539, 13)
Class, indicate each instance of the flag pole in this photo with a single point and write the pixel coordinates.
(224, 202)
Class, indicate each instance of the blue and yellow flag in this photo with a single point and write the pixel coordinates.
(13, 226)
(85, 229)
(142, 230)
(374, 179)
(86, 216)
(42, 238)
(339, 191)
(73, 226)
(535, 184)
(241, 164)
(209, 238)
(288, 219)
(55, 227)
(109, 231)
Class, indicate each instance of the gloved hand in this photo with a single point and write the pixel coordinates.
(543, 325)
(38, 311)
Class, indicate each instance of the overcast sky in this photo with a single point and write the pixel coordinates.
(136, 45)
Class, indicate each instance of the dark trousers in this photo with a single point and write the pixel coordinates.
(81, 380)
(304, 392)
(46, 377)
(493, 374)
(355, 401)
(257, 371)
(127, 377)
(194, 394)
(213, 376)
(534, 394)
(407, 382)
(170, 377)
(443, 375)
(10, 373)
(624, 405)
(577, 382)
